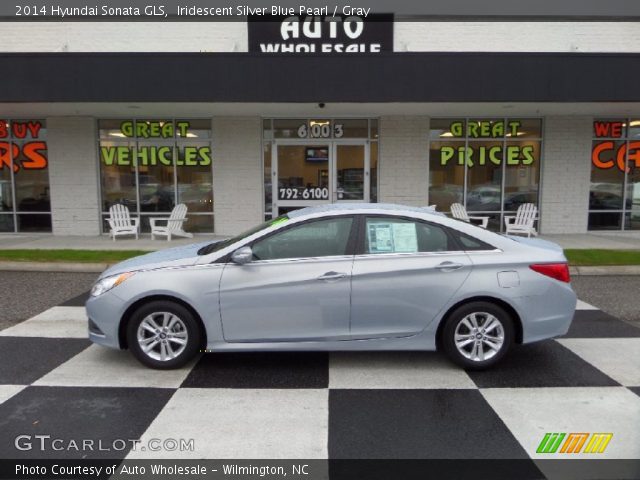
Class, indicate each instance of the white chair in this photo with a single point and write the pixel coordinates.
(523, 220)
(121, 223)
(459, 212)
(174, 224)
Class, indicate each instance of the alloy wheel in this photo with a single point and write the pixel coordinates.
(162, 336)
(479, 336)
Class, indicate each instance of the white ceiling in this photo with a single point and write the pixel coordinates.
(312, 109)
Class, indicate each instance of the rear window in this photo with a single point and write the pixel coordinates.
(470, 243)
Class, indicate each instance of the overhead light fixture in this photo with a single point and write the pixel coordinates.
(446, 134)
(634, 123)
(318, 122)
(191, 135)
(518, 134)
(117, 134)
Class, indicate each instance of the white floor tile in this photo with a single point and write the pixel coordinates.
(8, 391)
(530, 413)
(57, 322)
(99, 366)
(382, 370)
(243, 423)
(617, 357)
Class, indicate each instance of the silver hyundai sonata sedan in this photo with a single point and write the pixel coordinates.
(338, 277)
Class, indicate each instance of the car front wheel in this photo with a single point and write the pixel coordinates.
(163, 335)
(477, 335)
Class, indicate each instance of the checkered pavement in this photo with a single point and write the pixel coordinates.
(318, 405)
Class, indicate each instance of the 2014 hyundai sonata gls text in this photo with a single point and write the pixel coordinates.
(338, 277)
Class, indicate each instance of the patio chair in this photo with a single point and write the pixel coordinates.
(174, 224)
(459, 212)
(121, 223)
(523, 221)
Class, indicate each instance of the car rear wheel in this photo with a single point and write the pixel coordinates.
(477, 335)
(163, 335)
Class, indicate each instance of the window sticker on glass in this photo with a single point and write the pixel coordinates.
(387, 237)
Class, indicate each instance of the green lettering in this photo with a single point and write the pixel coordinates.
(205, 155)
(191, 156)
(513, 126)
(472, 129)
(123, 156)
(142, 155)
(494, 155)
(468, 153)
(167, 130)
(446, 154)
(142, 129)
(527, 153)
(183, 128)
(108, 155)
(498, 130)
(127, 128)
(165, 156)
(456, 129)
(513, 155)
(485, 129)
(154, 129)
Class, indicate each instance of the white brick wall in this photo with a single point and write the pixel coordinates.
(124, 37)
(517, 36)
(404, 160)
(566, 174)
(237, 174)
(73, 175)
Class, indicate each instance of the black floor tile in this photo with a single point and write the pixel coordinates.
(417, 424)
(78, 301)
(260, 370)
(542, 364)
(23, 360)
(101, 415)
(598, 324)
(635, 390)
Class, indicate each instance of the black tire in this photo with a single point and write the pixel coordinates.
(482, 311)
(186, 323)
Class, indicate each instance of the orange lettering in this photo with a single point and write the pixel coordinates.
(595, 155)
(36, 160)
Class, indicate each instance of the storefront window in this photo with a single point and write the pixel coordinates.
(614, 196)
(152, 165)
(313, 161)
(25, 204)
(491, 166)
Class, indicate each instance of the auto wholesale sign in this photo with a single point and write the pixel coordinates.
(325, 34)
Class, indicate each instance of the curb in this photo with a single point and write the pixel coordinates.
(71, 267)
(61, 267)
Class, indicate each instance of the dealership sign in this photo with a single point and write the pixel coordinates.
(313, 34)
(22, 142)
(608, 154)
(160, 154)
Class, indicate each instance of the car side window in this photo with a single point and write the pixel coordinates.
(470, 243)
(320, 238)
(398, 235)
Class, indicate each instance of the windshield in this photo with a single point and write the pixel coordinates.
(215, 246)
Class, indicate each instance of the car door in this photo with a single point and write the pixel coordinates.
(404, 272)
(297, 287)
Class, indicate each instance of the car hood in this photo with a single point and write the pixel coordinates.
(537, 242)
(170, 257)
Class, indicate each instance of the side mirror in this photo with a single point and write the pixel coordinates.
(242, 255)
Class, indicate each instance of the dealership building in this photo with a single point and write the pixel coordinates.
(244, 121)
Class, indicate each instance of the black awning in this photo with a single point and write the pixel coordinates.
(393, 77)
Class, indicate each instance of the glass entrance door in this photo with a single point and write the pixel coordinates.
(315, 173)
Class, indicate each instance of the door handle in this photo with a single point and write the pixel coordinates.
(329, 276)
(449, 266)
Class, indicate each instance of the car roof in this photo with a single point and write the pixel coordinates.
(349, 207)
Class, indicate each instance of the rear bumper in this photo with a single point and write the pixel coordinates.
(548, 315)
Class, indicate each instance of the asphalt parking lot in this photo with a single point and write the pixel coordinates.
(339, 405)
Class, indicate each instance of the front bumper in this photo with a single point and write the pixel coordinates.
(105, 312)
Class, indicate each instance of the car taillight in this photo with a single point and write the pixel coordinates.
(559, 271)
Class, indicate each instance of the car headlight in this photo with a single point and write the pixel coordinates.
(105, 284)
